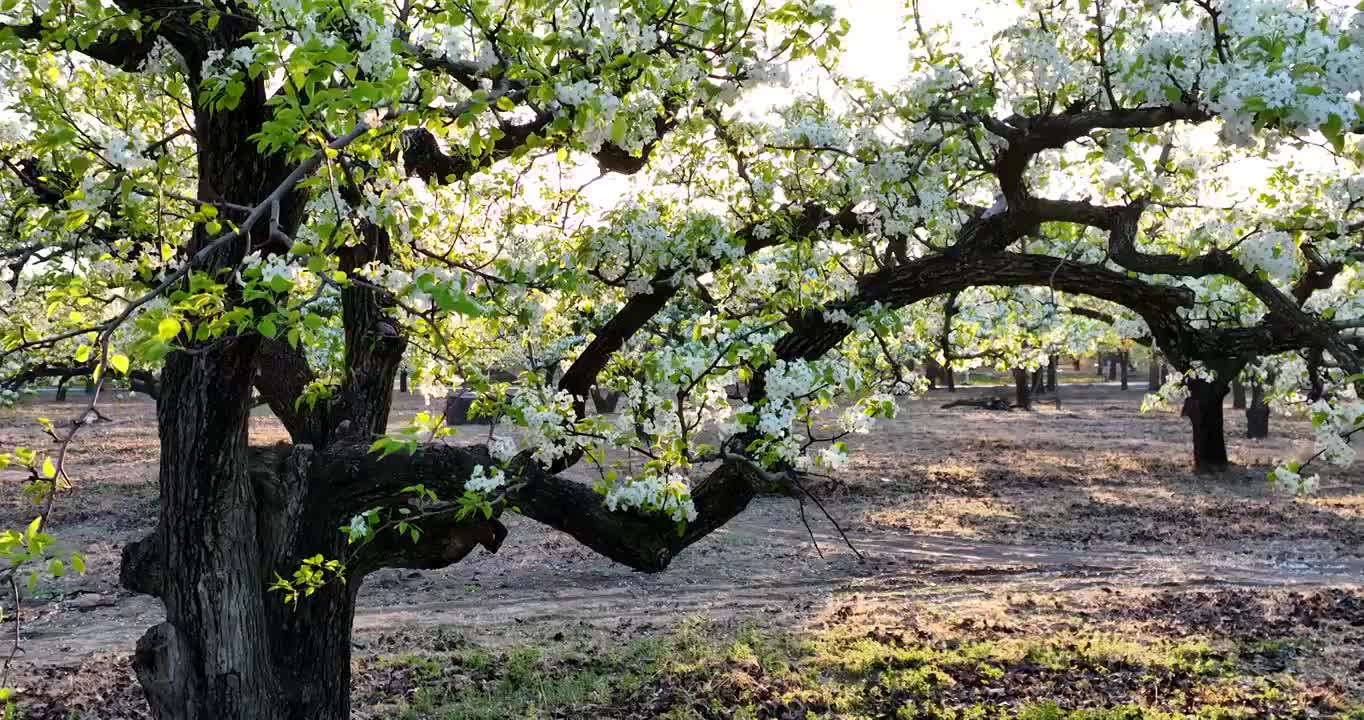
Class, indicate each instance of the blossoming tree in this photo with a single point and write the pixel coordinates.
(290, 200)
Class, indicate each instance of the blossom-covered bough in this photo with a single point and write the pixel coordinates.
(226, 194)
(540, 200)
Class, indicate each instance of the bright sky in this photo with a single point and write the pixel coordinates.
(877, 39)
(880, 29)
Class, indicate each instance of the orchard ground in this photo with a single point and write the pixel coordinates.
(1039, 564)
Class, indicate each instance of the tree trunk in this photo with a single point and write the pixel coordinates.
(1315, 378)
(61, 390)
(1052, 362)
(402, 381)
(1099, 363)
(1113, 367)
(229, 649)
(951, 378)
(1023, 388)
(1076, 361)
(1257, 415)
(1153, 372)
(89, 385)
(1039, 382)
(212, 657)
(232, 518)
(931, 371)
(1122, 362)
(1238, 394)
(605, 401)
(1203, 407)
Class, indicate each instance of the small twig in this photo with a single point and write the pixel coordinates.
(839, 528)
(806, 522)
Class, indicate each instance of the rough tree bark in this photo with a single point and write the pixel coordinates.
(1122, 363)
(1022, 388)
(1238, 394)
(1052, 362)
(1203, 407)
(932, 371)
(1257, 414)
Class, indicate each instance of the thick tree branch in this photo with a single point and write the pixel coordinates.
(124, 50)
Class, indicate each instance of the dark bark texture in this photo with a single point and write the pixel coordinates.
(1203, 407)
(1257, 413)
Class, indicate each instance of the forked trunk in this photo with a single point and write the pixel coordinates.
(231, 518)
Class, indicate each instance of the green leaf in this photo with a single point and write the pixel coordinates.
(167, 329)
(267, 327)
(49, 469)
(119, 363)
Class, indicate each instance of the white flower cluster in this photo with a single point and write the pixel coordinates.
(1287, 477)
(1177, 388)
(548, 421)
(485, 480)
(220, 66)
(658, 238)
(665, 494)
(1331, 422)
(1273, 252)
(1131, 326)
(376, 59)
(268, 269)
(15, 128)
(503, 447)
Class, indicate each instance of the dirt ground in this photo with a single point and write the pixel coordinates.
(994, 519)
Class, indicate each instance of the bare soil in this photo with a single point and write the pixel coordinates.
(998, 519)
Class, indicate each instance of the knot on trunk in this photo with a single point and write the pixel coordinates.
(164, 663)
(140, 567)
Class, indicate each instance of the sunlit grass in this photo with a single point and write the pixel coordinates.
(698, 672)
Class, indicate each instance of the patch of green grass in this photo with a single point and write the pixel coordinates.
(700, 672)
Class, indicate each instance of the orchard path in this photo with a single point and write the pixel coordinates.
(745, 570)
(949, 508)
